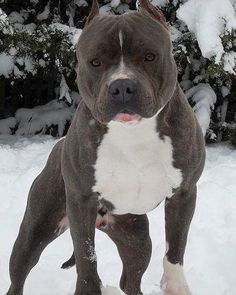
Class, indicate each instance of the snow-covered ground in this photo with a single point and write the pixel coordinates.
(211, 252)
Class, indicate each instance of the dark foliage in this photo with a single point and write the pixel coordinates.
(51, 54)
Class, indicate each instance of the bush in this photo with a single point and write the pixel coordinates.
(37, 42)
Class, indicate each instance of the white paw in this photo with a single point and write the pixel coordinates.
(172, 287)
(173, 281)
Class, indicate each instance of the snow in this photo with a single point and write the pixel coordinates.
(45, 14)
(105, 9)
(160, 3)
(27, 61)
(29, 65)
(80, 3)
(15, 23)
(122, 8)
(6, 64)
(115, 3)
(205, 98)
(225, 91)
(15, 17)
(174, 33)
(210, 256)
(230, 62)
(6, 125)
(64, 90)
(3, 18)
(209, 21)
(38, 119)
(157, 3)
(233, 3)
(66, 29)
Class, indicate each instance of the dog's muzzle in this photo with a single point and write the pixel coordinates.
(123, 93)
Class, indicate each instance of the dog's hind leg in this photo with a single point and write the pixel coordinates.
(44, 220)
(131, 236)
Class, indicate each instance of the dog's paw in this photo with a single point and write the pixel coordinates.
(173, 287)
(173, 281)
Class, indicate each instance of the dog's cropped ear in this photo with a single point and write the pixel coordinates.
(93, 12)
(145, 5)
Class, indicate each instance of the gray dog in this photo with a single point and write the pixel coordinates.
(134, 142)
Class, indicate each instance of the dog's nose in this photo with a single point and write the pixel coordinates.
(122, 90)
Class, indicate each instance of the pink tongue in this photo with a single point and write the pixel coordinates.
(123, 117)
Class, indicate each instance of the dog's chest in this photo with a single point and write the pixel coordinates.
(134, 168)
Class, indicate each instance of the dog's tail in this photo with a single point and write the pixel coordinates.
(69, 263)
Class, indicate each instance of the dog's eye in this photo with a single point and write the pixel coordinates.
(150, 56)
(95, 62)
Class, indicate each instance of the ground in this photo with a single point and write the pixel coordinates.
(210, 255)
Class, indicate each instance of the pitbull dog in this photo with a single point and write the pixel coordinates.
(134, 142)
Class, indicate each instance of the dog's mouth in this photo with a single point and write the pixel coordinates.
(126, 116)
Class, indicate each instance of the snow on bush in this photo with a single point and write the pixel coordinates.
(64, 90)
(7, 125)
(6, 64)
(160, 3)
(26, 48)
(204, 39)
(3, 16)
(229, 61)
(204, 98)
(5, 27)
(44, 15)
(40, 118)
(73, 32)
(209, 20)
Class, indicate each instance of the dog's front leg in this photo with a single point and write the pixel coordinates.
(82, 212)
(179, 210)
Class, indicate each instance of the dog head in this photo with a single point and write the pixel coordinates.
(126, 70)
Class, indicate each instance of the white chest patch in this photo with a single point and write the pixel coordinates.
(134, 168)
